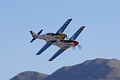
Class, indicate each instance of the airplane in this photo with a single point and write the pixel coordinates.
(50, 38)
(65, 44)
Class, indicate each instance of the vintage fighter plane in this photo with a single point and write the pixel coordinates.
(50, 38)
(65, 44)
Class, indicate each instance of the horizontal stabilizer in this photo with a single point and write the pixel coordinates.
(40, 32)
(32, 40)
(35, 35)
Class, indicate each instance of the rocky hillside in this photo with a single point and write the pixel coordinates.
(98, 69)
(30, 75)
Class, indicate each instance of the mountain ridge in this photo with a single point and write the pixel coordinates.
(97, 69)
(29, 75)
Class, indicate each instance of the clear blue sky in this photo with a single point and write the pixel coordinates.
(100, 38)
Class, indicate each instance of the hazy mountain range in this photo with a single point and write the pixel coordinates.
(97, 69)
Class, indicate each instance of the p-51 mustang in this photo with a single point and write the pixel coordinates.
(65, 44)
(50, 38)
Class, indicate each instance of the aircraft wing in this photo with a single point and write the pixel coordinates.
(77, 33)
(64, 26)
(48, 44)
(57, 54)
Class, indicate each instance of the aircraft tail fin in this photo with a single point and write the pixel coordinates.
(35, 35)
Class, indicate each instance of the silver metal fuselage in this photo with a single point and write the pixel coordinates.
(64, 44)
(51, 37)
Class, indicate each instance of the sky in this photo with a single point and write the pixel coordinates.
(100, 38)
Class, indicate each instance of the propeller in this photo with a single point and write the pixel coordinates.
(79, 47)
(77, 44)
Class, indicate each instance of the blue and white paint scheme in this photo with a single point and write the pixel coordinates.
(50, 38)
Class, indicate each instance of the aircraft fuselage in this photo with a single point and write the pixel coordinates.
(66, 43)
(52, 37)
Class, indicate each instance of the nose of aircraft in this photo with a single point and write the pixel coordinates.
(76, 43)
(65, 35)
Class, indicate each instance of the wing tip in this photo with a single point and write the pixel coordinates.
(37, 54)
(82, 27)
(70, 19)
(50, 60)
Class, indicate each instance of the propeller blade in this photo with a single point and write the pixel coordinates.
(79, 47)
(73, 48)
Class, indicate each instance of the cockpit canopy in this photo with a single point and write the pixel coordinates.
(50, 33)
(67, 40)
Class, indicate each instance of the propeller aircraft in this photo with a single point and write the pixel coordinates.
(65, 44)
(50, 38)
(57, 39)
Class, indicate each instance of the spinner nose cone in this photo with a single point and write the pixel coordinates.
(76, 43)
